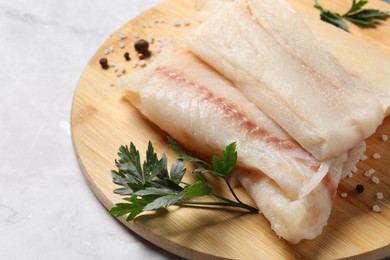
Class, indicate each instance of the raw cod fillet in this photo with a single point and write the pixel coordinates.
(204, 112)
(288, 74)
(197, 106)
(303, 218)
(367, 66)
(293, 220)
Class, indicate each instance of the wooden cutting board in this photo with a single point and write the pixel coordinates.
(102, 121)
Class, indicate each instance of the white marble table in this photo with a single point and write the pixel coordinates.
(47, 210)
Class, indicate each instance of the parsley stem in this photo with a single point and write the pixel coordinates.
(222, 176)
(227, 202)
(242, 205)
(232, 191)
(215, 203)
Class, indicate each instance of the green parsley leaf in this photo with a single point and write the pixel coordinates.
(356, 14)
(226, 164)
(163, 202)
(184, 155)
(130, 162)
(151, 166)
(334, 19)
(356, 6)
(120, 179)
(133, 208)
(151, 187)
(199, 188)
(367, 17)
(177, 170)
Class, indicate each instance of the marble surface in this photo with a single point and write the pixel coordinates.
(47, 210)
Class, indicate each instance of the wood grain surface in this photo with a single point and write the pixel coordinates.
(102, 121)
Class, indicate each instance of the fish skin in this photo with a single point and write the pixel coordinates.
(288, 88)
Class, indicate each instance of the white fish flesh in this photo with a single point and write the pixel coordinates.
(368, 66)
(294, 220)
(200, 108)
(288, 74)
(204, 112)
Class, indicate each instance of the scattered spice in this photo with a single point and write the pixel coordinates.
(379, 195)
(375, 179)
(141, 56)
(176, 22)
(122, 68)
(376, 208)
(359, 188)
(142, 63)
(150, 38)
(186, 22)
(135, 64)
(122, 36)
(369, 172)
(104, 63)
(127, 56)
(159, 21)
(108, 50)
(142, 46)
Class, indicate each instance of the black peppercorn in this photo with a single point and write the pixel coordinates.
(359, 188)
(127, 56)
(142, 46)
(104, 63)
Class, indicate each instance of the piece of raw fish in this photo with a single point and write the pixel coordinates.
(204, 112)
(288, 74)
(368, 66)
(294, 220)
(303, 218)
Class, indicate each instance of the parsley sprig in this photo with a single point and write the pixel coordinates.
(150, 186)
(356, 14)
